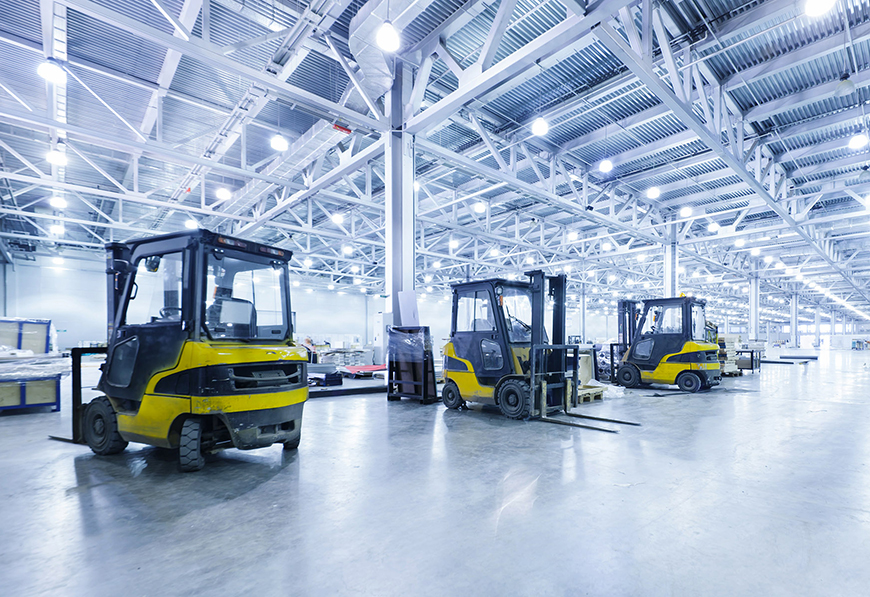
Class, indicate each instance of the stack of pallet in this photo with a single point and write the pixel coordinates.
(728, 346)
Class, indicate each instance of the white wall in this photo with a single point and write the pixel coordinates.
(340, 319)
(71, 295)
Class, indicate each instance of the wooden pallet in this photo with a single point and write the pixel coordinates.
(732, 374)
(589, 394)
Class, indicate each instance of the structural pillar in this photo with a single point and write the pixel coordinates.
(583, 313)
(726, 330)
(818, 342)
(399, 199)
(767, 335)
(753, 305)
(794, 321)
(671, 288)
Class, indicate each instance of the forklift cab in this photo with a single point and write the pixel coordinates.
(670, 346)
(200, 350)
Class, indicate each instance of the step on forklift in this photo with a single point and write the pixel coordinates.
(200, 352)
(666, 343)
(499, 353)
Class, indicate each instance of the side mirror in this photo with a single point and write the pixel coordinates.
(152, 264)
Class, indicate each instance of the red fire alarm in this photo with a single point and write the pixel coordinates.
(344, 130)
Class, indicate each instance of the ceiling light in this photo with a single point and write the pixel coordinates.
(427, 278)
(799, 277)
(58, 158)
(816, 8)
(653, 193)
(768, 258)
(362, 290)
(429, 289)
(388, 38)
(641, 257)
(696, 274)
(567, 269)
(57, 202)
(780, 265)
(858, 141)
(57, 260)
(347, 250)
(681, 270)
(191, 225)
(530, 260)
(755, 252)
(331, 286)
(354, 269)
(606, 247)
(436, 264)
(337, 219)
(711, 279)
(864, 175)
(540, 127)
(479, 207)
(223, 193)
(685, 212)
(739, 242)
(790, 271)
(453, 244)
(279, 143)
(605, 166)
(56, 229)
(713, 227)
(295, 282)
(416, 186)
(307, 262)
(845, 87)
(494, 253)
(611, 278)
(357, 281)
(52, 72)
(572, 235)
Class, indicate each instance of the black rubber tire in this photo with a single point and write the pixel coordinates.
(450, 396)
(292, 444)
(100, 427)
(628, 376)
(190, 446)
(689, 382)
(515, 399)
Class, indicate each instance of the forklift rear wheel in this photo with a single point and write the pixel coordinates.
(689, 382)
(450, 396)
(515, 399)
(190, 446)
(628, 376)
(100, 427)
(292, 444)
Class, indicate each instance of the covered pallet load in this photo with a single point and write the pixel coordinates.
(729, 344)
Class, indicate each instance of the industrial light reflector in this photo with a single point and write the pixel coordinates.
(713, 227)
(653, 193)
(57, 202)
(436, 264)
(453, 244)
(354, 269)
(347, 250)
(572, 235)
(530, 260)
(56, 229)
(223, 194)
(755, 252)
(816, 8)
(279, 143)
(768, 258)
(540, 127)
(57, 260)
(739, 242)
(479, 207)
(55, 157)
(685, 212)
(337, 219)
(52, 72)
(605, 166)
(388, 38)
(858, 141)
(307, 262)
(606, 247)
(191, 225)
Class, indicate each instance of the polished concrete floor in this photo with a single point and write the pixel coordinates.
(759, 487)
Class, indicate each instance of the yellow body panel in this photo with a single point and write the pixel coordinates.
(666, 373)
(151, 424)
(466, 381)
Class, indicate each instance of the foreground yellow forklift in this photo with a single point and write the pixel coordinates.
(669, 345)
(499, 353)
(200, 352)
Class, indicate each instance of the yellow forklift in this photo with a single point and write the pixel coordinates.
(200, 353)
(668, 343)
(499, 353)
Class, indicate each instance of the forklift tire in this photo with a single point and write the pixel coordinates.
(100, 427)
(450, 396)
(628, 376)
(515, 399)
(190, 446)
(689, 382)
(292, 444)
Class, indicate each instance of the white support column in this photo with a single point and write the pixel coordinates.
(671, 288)
(399, 159)
(793, 327)
(726, 328)
(753, 305)
(767, 338)
(818, 327)
(583, 313)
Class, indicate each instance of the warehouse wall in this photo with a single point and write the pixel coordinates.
(72, 295)
(328, 315)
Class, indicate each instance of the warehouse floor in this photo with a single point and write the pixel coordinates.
(757, 488)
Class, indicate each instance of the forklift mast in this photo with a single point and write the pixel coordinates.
(118, 269)
(627, 326)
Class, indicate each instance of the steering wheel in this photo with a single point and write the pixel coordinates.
(170, 312)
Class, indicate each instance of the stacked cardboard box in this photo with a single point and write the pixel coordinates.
(728, 346)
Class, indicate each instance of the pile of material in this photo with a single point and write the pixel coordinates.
(728, 346)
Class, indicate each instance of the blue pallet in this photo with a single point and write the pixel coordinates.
(23, 386)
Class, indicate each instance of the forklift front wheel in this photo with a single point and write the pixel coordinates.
(450, 396)
(515, 399)
(190, 446)
(628, 376)
(100, 427)
(689, 382)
